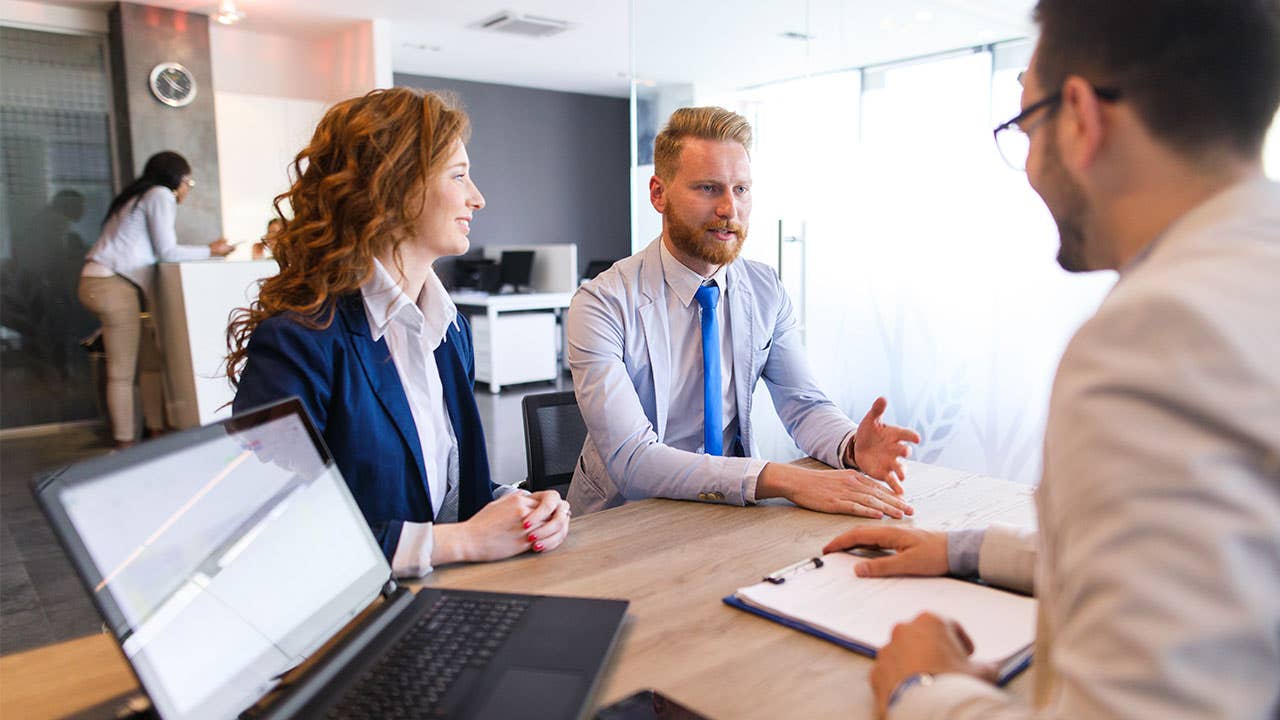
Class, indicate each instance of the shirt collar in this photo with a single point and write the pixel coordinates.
(685, 282)
(385, 303)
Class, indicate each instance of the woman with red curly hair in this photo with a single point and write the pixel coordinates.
(357, 325)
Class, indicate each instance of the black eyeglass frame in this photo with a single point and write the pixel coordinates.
(1104, 93)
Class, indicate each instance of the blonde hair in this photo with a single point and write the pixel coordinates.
(707, 123)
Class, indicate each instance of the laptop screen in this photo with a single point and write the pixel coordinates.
(220, 557)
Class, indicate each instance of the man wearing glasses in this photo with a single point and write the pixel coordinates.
(1157, 563)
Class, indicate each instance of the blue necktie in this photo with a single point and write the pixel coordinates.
(708, 296)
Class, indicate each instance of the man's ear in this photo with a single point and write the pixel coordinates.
(1082, 125)
(657, 194)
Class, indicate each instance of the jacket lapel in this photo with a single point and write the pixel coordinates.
(653, 321)
(742, 327)
(375, 359)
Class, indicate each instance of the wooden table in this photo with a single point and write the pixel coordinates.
(674, 561)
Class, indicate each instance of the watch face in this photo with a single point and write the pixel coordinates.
(173, 84)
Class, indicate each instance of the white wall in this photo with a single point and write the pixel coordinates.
(258, 137)
(270, 91)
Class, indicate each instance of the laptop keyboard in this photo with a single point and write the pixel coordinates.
(457, 632)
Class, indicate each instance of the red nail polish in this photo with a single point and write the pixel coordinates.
(532, 537)
(527, 524)
(537, 547)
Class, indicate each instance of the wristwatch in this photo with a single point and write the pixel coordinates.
(924, 679)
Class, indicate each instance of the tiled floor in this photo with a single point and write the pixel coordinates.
(42, 601)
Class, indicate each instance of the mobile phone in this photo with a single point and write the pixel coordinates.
(647, 705)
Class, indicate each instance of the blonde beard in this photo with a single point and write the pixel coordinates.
(690, 240)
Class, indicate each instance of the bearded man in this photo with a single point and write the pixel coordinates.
(666, 348)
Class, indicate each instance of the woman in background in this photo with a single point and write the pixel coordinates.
(117, 285)
(357, 325)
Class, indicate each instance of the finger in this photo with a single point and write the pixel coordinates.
(545, 503)
(965, 641)
(876, 490)
(891, 479)
(886, 566)
(872, 536)
(874, 502)
(556, 531)
(877, 409)
(905, 435)
(859, 509)
(559, 515)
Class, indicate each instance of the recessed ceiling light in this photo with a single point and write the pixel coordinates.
(792, 35)
(227, 13)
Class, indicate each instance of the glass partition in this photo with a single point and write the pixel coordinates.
(55, 186)
(924, 268)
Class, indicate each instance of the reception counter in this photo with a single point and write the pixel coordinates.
(196, 299)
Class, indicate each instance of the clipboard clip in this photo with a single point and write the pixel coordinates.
(781, 576)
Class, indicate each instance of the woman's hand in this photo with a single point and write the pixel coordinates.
(220, 248)
(507, 526)
(548, 524)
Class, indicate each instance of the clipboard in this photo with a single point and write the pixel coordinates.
(1010, 665)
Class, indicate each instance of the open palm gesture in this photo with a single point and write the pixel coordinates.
(878, 449)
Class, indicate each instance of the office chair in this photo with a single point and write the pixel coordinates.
(553, 435)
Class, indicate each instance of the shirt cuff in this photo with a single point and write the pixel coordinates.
(751, 475)
(500, 490)
(951, 695)
(844, 444)
(962, 552)
(413, 552)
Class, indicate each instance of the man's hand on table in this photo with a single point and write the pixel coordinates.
(847, 492)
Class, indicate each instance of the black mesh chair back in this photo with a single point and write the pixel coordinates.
(553, 437)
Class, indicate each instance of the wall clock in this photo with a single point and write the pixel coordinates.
(173, 84)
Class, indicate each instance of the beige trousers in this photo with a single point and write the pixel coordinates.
(133, 351)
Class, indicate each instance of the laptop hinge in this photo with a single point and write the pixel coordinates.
(313, 682)
(390, 588)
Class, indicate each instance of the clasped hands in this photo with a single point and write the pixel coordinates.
(929, 643)
(510, 525)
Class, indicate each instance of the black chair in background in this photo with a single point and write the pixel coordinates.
(553, 437)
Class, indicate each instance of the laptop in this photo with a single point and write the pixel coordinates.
(224, 556)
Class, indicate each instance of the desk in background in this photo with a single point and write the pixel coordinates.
(518, 338)
(674, 561)
(196, 300)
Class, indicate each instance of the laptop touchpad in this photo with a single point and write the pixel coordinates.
(529, 693)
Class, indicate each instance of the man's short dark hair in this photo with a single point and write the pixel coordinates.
(1202, 74)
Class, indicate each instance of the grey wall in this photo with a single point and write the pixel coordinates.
(142, 37)
(553, 166)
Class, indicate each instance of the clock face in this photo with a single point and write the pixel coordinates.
(173, 84)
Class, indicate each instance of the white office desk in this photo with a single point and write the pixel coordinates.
(500, 360)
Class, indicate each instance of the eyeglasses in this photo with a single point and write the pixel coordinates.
(189, 182)
(1013, 139)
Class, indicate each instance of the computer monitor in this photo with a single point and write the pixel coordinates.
(517, 268)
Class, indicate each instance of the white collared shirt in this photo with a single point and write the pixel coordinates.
(413, 331)
(684, 316)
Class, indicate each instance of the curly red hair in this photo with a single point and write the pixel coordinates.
(358, 191)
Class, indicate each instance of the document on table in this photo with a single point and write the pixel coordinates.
(828, 600)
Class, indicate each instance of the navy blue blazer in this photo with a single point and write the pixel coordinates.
(350, 386)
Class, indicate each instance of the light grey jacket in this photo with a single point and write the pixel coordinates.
(1157, 564)
(619, 353)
